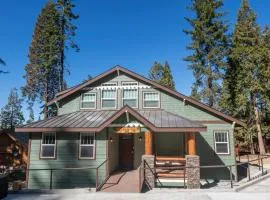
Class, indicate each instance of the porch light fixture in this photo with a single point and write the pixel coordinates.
(140, 138)
(111, 139)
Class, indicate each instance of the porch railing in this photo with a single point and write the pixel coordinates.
(64, 178)
(259, 160)
(101, 178)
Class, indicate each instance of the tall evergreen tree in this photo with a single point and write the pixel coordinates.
(162, 74)
(210, 48)
(11, 114)
(31, 117)
(2, 62)
(42, 72)
(248, 75)
(66, 14)
(156, 72)
(167, 78)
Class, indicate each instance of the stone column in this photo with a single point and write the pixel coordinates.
(192, 174)
(149, 170)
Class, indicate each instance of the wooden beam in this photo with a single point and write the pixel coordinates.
(191, 144)
(148, 143)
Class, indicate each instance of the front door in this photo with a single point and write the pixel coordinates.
(126, 151)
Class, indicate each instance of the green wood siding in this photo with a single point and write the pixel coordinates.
(205, 140)
(66, 157)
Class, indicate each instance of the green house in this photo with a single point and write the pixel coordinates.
(115, 120)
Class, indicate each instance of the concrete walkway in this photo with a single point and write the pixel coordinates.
(262, 186)
(122, 182)
(167, 195)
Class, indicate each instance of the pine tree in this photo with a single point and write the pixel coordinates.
(210, 48)
(167, 77)
(31, 117)
(2, 62)
(11, 114)
(42, 72)
(68, 29)
(246, 79)
(162, 74)
(156, 72)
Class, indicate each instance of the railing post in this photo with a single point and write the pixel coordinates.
(262, 165)
(96, 178)
(231, 176)
(184, 177)
(51, 178)
(248, 171)
(259, 162)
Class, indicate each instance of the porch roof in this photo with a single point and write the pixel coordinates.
(82, 121)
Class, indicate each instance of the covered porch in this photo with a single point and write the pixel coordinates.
(160, 138)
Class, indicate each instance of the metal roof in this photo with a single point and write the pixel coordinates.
(157, 120)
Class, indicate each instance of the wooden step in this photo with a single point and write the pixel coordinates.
(170, 175)
(170, 158)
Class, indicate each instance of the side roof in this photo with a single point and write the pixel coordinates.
(117, 69)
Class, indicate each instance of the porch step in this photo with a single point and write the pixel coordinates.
(170, 175)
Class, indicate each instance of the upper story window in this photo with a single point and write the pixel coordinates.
(222, 145)
(151, 100)
(130, 94)
(87, 146)
(108, 96)
(48, 145)
(89, 101)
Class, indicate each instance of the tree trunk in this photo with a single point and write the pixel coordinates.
(46, 98)
(259, 131)
(62, 67)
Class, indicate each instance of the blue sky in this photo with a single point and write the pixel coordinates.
(131, 33)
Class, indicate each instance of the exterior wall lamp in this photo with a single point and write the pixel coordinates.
(111, 139)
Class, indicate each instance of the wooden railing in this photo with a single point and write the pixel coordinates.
(100, 178)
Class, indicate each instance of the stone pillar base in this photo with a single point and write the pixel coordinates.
(149, 176)
(193, 174)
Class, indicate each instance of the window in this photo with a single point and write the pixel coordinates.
(89, 101)
(150, 99)
(108, 99)
(130, 94)
(87, 146)
(222, 142)
(48, 145)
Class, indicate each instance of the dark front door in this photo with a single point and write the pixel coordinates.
(126, 151)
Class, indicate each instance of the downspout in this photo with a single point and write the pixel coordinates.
(236, 175)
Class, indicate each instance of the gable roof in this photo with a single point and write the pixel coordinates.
(118, 69)
(95, 121)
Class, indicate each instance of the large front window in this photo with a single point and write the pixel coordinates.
(108, 97)
(87, 146)
(130, 94)
(151, 100)
(48, 145)
(222, 142)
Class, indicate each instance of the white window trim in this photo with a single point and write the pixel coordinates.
(228, 142)
(101, 97)
(41, 145)
(86, 145)
(89, 101)
(151, 92)
(137, 99)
